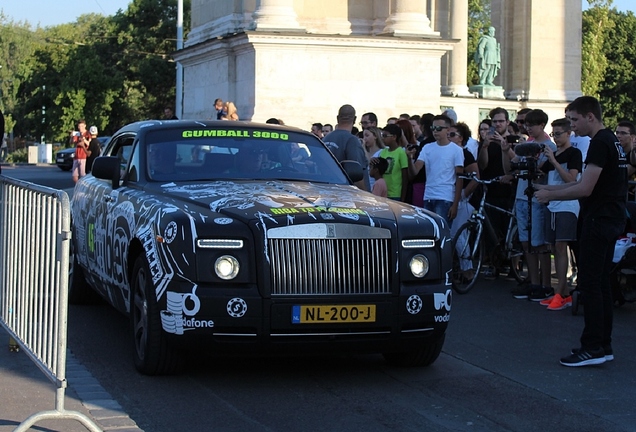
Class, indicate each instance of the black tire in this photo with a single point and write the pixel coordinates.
(79, 291)
(152, 353)
(518, 265)
(421, 357)
(471, 250)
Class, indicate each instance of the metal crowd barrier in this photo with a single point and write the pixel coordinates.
(34, 252)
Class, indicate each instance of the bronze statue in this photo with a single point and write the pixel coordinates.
(488, 58)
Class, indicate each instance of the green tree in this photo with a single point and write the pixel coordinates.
(145, 36)
(107, 70)
(17, 45)
(617, 90)
(596, 24)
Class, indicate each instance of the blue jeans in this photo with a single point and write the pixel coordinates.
(440, 207)
(597, 238)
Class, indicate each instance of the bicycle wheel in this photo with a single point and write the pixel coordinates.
(518, 266)
(467, 257)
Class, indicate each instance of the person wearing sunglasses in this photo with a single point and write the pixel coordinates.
(443, 162)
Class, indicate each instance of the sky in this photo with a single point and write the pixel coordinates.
(53, 12)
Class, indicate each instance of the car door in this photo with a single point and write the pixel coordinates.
(112, 219)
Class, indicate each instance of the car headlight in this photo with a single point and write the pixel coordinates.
(419, 266)
(226, 267)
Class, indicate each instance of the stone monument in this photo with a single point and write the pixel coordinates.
(488, 59)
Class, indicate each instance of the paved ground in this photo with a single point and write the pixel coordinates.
(25, 391)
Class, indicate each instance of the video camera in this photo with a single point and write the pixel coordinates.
(529, 166)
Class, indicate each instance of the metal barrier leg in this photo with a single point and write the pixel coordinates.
(13, 345)
(58, 414)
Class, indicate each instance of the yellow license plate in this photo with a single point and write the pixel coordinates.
(325, 314)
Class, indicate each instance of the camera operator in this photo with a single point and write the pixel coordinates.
(602, 190)
(81, 139)
(531, 232)
(562, 167)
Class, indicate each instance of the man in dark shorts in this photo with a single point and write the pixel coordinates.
(602, 191)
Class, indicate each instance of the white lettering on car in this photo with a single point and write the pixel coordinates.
(442, 318)
(179, 313)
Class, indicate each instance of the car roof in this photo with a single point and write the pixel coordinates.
(172, 124)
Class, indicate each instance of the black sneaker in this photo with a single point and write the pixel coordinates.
(540, 292)
(584, 358)
(522, 291)
(609, 353)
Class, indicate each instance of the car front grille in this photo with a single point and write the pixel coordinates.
(331, 261)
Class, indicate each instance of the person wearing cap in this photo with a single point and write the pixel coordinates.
(93, 148)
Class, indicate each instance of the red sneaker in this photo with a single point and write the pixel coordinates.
(547, 301)
(559, 302)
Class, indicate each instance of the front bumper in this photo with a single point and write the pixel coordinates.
(234, 319)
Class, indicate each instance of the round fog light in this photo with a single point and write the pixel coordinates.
(226, 267)
(419, 266)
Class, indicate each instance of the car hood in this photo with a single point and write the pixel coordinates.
(298, 202)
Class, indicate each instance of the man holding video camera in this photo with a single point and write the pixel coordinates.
(81, 138)
(602, 191)
(529, 158)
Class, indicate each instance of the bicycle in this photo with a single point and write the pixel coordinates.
(469, 243)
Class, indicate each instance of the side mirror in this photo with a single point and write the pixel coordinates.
(107, 168)
(353, 170)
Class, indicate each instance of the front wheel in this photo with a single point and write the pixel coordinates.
(152, 353)
(518, 265)
(425, 355)
(79, 291)
(467, 257)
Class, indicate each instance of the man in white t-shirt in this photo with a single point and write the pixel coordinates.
(443, 162)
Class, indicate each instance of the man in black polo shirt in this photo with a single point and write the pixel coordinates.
(602, 191)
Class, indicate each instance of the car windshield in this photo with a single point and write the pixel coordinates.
(239, 153)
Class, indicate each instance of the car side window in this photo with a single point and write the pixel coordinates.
(123, 149)
(133, 167)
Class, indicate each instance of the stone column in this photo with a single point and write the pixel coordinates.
(458, 64)
(408, 18)
(276, 15)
